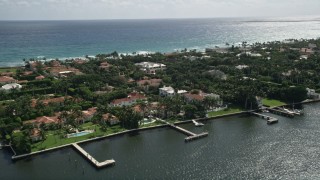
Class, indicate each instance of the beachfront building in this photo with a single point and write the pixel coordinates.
(11, 86)
(150, 67)
(104, 65)
(249, 54)
(312, 46)
(128, 101)
(7, 80)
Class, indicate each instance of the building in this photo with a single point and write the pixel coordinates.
(7, 80)
(88, 114)
(35, 135)
(312, 46)
(150, 67)
(104, 66)
(43, 120)
(110, 119)
(306, 51)
(201, 96)
(40, 77)
(146, 83)
(166, 91)
(240, 67)
(128, 101)
(46, 102)
(11, 86)
(312, 94)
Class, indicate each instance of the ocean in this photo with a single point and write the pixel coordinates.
(65, 39)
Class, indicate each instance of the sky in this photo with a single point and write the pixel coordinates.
(149, 9)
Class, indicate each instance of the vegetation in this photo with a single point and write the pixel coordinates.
(272, 102)
(277, 75)
(229, 110)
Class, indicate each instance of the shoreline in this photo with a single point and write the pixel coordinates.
(17, 157)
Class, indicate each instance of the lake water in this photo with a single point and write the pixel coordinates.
(238, 147)
(63, 39)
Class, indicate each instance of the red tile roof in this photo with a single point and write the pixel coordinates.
(131, 97)
(89, 112)
(151, 82)
(44, 119)
(197, 97)
(6, 79)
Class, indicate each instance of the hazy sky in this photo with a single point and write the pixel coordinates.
(145, 9)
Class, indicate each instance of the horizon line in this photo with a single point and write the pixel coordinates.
(164, 18)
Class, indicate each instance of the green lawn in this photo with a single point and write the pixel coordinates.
(54, 139)
(272, 102)
(14, 70)
(226, 111)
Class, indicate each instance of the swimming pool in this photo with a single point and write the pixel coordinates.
(82, 133)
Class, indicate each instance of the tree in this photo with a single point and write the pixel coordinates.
(128, 118)
(190, 111)
(21, 142)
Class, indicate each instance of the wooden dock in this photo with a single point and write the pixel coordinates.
(270, 120)
(92, 159)
(281, 112)
(196, 136)
(184, 131)
(191, 136)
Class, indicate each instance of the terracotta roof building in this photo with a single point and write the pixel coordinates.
(110, 119)
(128, 101)
(7, 80)
(43, 120)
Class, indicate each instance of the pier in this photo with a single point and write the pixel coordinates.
(191, 136)
(270, 120)
(92, 159)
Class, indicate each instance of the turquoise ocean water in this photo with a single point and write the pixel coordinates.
(64, 39)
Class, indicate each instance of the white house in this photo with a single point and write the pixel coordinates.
(166, 91)
(150, 67)
(11, 86)
(241, 67)
(312, 94)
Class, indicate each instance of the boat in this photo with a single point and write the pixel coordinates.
(197, 123)
(298, 111)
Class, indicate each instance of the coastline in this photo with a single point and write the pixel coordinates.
(17, 157)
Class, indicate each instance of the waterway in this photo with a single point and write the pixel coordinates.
(238, 147)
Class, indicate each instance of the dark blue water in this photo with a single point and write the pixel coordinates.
(62, 39)
(238, 147)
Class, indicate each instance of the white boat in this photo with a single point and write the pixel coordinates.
(197, 123)
(288, 111)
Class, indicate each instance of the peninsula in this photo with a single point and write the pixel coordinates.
(52, 103)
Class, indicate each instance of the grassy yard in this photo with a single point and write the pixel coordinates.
(14, 70)
(54, 139)
(272, 102)
(230, 110)
(151, 124)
